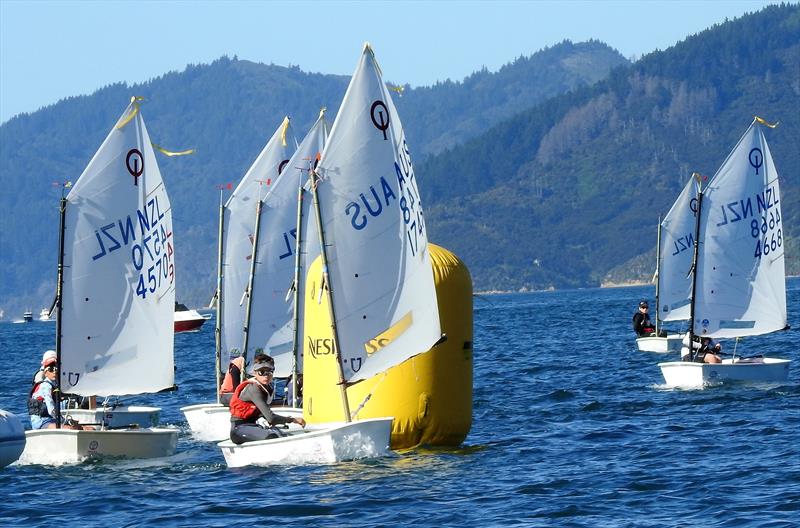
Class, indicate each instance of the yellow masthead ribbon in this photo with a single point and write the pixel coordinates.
(764, 122)
(171, 153)
(285, 126)
(127, 119)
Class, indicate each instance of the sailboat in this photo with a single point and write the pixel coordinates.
(256, 266)
(12, 438)
(115, 294)
(376, 275)
(738, 279)
(673, 261)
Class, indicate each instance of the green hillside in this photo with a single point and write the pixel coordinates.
(226, 111)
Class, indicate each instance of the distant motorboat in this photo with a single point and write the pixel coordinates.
(27, 316)
(187, 319)
(44, 315)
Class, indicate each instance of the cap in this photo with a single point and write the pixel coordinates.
(643, 304)
(48, 358)
(264, 362)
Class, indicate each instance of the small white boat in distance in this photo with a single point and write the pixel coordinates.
(211, 422)
(327, 443)
(683, 374)
(12, 438)
(44, 315)
(27, 317)
(660, 345)
(187, 319)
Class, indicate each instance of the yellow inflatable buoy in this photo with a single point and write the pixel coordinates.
(429, 395)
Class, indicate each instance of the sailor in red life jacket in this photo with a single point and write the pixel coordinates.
(250, 401)
(232, 380)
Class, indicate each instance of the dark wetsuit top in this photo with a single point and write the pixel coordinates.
(640, 322)
(254, 393)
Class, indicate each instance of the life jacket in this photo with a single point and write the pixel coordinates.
(245, 410)
(37, 405)
(227, 383)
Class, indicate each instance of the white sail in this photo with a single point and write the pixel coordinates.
(272, 326)
(240, 217)
(677, 249)
(741, 286)
(380, 270)
(119, 270)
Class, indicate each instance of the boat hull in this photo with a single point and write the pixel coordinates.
(122, 416)
(211, 422)
(693, 375)
(660, 345)
(12, 438)
(66, 446)
(187, 320)
(320, 444)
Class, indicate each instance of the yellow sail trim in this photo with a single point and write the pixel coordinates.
(171, 153)
(127, 119)
(764, 122)
(383, 339)
(285, 127)
(398, 89)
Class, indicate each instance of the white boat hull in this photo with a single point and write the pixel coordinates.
(66, 446)
(12, 438)
(211, 422)
(318, 444)
(117, 417)
(660, 345)
(692, 375)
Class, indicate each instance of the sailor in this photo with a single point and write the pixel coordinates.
(41, 403)
(250, 402)
(641, 321)
(233, 379)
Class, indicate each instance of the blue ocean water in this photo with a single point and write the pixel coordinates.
(571, 427)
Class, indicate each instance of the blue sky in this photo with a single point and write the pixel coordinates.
(51, 50)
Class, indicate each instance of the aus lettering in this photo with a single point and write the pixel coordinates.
(374, 202)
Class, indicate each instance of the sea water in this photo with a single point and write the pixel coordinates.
(572, 426)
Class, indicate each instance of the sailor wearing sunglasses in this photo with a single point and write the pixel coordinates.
(250, 401)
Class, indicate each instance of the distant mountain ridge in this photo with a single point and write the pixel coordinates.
(226, 111)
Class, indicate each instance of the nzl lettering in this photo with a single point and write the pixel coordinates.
(123, 232)
(736, 211)
(683, 243)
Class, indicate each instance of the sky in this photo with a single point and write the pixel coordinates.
(50, 50)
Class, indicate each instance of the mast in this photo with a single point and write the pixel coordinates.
(250, 282)
(296, 288)
(59, 293)
(326, 281)
(694, 263)
(658, 273)
(218, 325)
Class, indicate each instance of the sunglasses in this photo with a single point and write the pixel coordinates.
(51, 369)
(265, 371)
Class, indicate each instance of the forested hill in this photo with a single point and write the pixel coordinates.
(226, 111)
(569, 192)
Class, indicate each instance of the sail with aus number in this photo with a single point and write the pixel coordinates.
(741, 284)
(677, 246)
(276, 261)
(119, 270)
(238, 237)
(381, 278)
